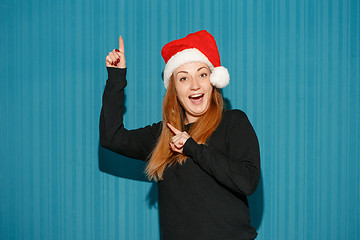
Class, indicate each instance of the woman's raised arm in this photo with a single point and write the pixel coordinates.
(114, 136)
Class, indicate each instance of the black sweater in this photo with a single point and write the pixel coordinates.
(205, 197)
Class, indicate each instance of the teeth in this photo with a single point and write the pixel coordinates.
(196, 95)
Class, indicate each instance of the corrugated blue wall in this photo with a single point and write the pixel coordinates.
(294, 68)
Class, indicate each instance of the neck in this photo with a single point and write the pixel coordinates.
(190, 119)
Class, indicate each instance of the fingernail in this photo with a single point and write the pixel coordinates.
(117, 50)
(118, 60)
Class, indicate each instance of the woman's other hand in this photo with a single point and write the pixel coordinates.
(178, 140)
(116, 58)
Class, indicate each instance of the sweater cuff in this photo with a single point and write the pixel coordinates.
(116, 74)
(189, 148)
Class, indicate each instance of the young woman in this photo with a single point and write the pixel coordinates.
(205, 160)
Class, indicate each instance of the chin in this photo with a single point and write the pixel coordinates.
(198, 112)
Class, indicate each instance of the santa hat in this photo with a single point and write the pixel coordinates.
(195, 47)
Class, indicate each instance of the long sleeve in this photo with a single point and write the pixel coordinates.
(237, 168)
(132, 143)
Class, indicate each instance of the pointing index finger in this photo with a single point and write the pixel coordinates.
(173, 129)
(121, 44)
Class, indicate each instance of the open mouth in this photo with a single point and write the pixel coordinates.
(196, 98)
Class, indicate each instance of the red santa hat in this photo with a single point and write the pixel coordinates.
(195, 47)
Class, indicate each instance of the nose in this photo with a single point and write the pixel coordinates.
(195, 85)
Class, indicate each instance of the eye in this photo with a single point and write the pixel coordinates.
(203, 75)
(182, 79)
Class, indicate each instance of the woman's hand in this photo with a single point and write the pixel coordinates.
(116, 58)
(178, 140)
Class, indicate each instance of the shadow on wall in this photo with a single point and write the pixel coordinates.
(125, 167)
(256, 205)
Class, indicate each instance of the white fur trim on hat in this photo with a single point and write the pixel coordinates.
(220, 77)
(180, 58)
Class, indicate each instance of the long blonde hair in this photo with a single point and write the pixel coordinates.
(174, 113)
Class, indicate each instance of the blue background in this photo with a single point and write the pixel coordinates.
(294, 68)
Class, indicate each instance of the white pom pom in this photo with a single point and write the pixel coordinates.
(219, 77)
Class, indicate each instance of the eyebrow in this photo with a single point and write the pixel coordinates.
(188, 72)
(200, 68)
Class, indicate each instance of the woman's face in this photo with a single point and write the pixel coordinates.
(193, 89)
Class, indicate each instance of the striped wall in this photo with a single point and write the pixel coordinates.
(294, 68)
